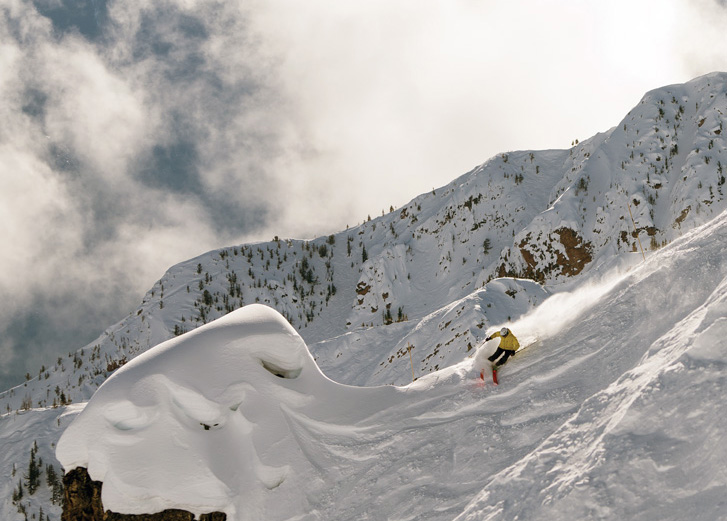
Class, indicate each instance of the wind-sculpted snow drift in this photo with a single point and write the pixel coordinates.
(202, 422)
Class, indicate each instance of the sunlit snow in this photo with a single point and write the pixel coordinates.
(604, 416)
(204, 422)
(613, 408)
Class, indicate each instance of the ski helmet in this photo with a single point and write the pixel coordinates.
(504, 331)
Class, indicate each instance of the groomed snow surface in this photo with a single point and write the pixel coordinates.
(615, 412)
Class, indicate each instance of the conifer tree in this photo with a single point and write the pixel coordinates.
(54, 484)
(18, 492)
(32, 478)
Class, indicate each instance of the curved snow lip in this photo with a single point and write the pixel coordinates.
(197, 422)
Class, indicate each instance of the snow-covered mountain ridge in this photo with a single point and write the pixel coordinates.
(544, 215)
(425, 274)
(614, 414)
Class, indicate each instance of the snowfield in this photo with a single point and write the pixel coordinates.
(614, 412)
(275, 380)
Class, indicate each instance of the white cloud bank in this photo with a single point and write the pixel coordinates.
(175, 127)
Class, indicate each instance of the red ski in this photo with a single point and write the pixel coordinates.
(494, 376)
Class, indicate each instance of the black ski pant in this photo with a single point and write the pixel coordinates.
(506, 353)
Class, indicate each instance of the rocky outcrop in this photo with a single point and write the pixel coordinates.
(577, 252)
(81, 497)
(560, 253)
(82, 502)
(167, 515)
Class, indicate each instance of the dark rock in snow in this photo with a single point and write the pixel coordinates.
(82, 502)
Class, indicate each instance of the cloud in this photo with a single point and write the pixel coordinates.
(398, 97)
(700, 38)
(77, 216)
(136, 135)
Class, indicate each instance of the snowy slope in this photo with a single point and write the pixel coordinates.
(425, 275)
(651, 444)
(607, 415)
(544, 215)
(18, 435)
(667, 160)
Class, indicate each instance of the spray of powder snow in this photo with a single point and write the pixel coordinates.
(562, 309)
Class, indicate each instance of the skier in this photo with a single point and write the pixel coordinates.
(508, 346)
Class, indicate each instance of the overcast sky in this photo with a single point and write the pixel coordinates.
(137, 134)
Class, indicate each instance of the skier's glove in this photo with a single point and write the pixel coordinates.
(488, 339)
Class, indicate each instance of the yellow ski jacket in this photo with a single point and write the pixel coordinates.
(508, 342)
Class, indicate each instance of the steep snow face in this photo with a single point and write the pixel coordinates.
(201, 422)
(664, 166)
(438, 340)
(651, 445)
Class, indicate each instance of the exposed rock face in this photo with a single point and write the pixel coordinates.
(577, 252)
(167, 515)
(560, 253)
(82, 497)
(82, 502)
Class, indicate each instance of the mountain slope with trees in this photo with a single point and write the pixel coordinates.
(436, 274)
